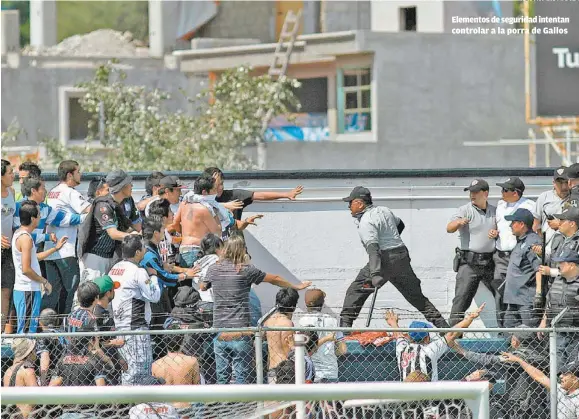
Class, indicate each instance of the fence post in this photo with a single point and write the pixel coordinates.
(258, 356)
(553, 362)
(300, 354)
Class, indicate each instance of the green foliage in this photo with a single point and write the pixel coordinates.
(11, 135)
(79, 17)
(141, 136)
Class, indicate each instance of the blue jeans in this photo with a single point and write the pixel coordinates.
(189, 257)
(254, 308)
(235, 357)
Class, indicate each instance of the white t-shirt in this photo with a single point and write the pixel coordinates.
(21, 281)
(507, 240)
(132, 303)
(567, 404)
(325, 359)
(416, 357)
(153, 411)
(204, 263)
(67, 199)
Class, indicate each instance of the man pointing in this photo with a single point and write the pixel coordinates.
(379, 230)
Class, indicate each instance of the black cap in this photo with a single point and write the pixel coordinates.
(477, 185)
(170, 182)
(567, 255)
(572, 171)
(571, 214)
(513, 183)
(570, 368)
(359, 192)
(117, 180)
(560, 173)
(523, 215)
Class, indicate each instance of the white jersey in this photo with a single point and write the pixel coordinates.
(64, 198)
(132, 303)
(153, 411)
(324, 359)
(416, 357)
(21, 281)
(567, 404)
(507, 240)
(204, 263)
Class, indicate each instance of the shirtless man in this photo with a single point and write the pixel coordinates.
(194, 221)
(278, 343)
(176, 368)
(21, 373)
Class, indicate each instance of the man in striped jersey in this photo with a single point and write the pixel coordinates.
(421, 352)
(34, 189)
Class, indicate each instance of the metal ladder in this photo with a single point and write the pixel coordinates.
(277, 71)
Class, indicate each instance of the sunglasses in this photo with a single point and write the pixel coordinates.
(508, 190)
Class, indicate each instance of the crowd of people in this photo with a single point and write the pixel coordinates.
(177, 260)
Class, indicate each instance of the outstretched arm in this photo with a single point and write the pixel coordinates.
(533, 372)
(466, 322)
(271, 196)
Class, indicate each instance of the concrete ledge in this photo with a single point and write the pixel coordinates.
(205, 43)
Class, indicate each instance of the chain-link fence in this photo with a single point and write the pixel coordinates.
(530, 372)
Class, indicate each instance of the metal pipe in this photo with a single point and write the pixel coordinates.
(527, 48)
(553, 362)
(300, 354)
(242, 393)
(259, 344)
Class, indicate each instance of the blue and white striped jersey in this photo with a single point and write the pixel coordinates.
(49, 216)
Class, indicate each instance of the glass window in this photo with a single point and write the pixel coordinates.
(354, 99)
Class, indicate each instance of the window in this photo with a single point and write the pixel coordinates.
(73, 119)
(78, 120)
(408, 19)
(354, 100)
(313, 95)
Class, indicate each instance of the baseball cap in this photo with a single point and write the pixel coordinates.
(359, 192)
(512, 183)
(560, 173)
(572, 171)
(571, 214)
(567, 255)
(105, 283)
(117, 180)
(523, 215)
(419, 336)
(477, 185)
(172, 324)
(570, 368)
(170, 182)
(314, 297)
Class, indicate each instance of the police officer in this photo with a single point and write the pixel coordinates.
(523, 265)
(564, 293)
(573, 175)
(474, 257)
(379, 230)
(512, 199)
(568, 222)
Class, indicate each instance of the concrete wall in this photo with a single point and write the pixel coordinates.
(314, 238)
(386, 15)
(345, 15)
(242, 19)
(431, 93)
(30, 94)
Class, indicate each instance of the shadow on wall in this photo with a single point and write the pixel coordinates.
(266, 262)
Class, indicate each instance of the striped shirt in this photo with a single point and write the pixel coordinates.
(49, 216)
(416, 357)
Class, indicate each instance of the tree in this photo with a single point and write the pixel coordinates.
(130, 122)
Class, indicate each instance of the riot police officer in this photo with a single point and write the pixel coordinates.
(473, 261)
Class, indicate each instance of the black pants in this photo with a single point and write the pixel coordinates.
(500, 277)
(468, 278)
(396, 268)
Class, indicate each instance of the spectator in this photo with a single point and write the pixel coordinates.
(310, 349)
(132, 307)
(211, 247)
(62, 269)
(176, 368)
(170, 188)
(97, 188)
(87, 294)
(231, 279)
(107, 226)
(49, 350)
(81, 365)
(21, 373)
(105, 322)
(169, 245)
(29, 284)
(286, 301)
(237, 200)
(520, 282)
(567, 390)
(420, 352)
(151, 189)
(25, 170)
(8, 210)
(194, 220)
(330, 345)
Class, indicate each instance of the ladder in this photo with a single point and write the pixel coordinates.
(277, 71)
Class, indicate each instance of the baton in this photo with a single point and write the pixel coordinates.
(543, 260)
(369, 319)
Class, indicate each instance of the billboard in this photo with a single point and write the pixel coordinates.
(557, 58)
